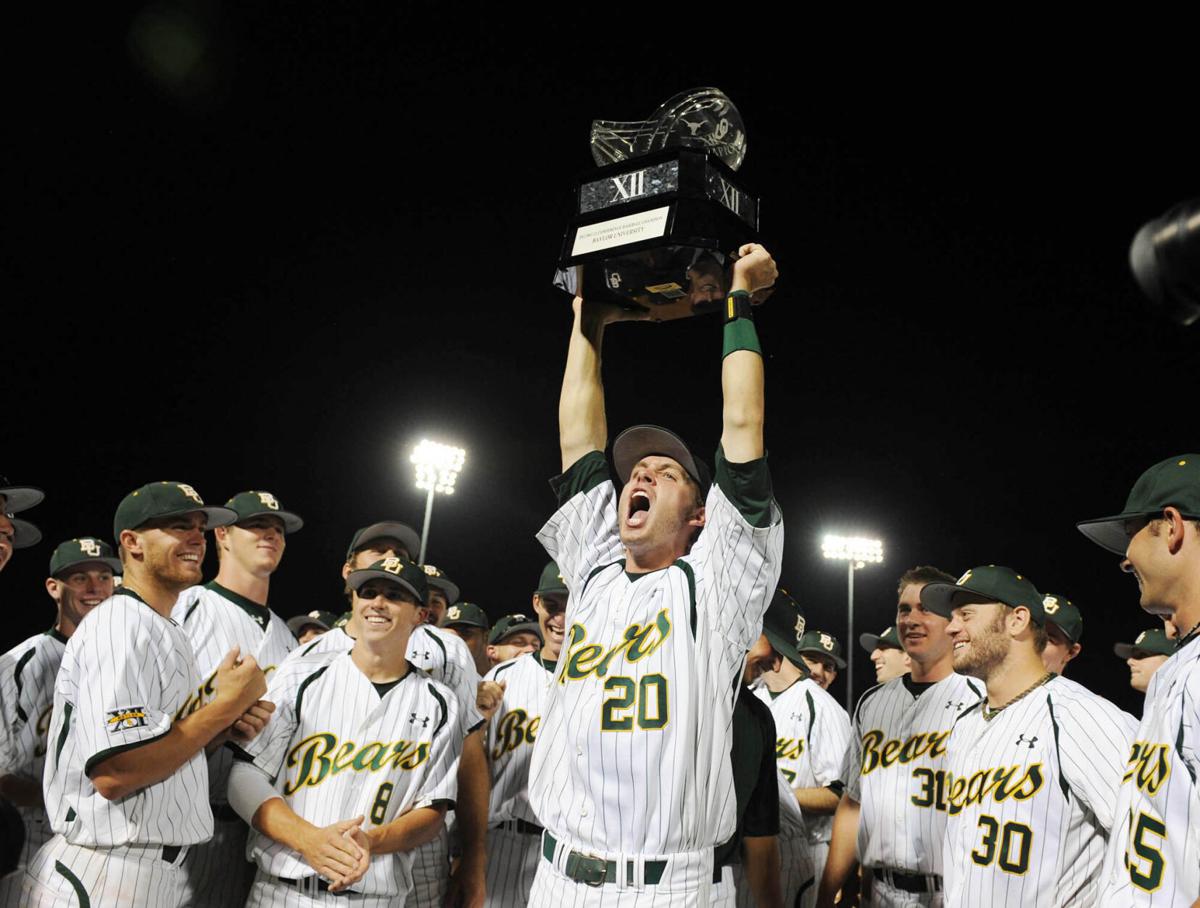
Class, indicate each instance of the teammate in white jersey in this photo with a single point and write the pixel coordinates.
(514, 834)
(81, 577)
(812, 735)
(358, 765)
(1033, 770)
(887, 655)
(892, 818)
(669, 579)
(1154, 853)
(227, 612)
(126, 775)
(1064, 631)
(14, 533)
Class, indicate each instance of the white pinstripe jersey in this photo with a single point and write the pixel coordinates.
(896, 768)
(216, 620)
(1154, 852)
(812, 738)
(1030, 798)
(633, 752)
(335, 748)
(512, 732)
(127, 675)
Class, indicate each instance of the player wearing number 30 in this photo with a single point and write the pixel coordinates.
(1034, 769)
(359, 762)
(669, 579)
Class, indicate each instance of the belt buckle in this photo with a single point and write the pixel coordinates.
(587, 869)
(602, 866)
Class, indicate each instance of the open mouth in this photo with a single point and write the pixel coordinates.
(639, 508)
(377, 621)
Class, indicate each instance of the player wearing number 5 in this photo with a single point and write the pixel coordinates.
(669, 579)
(358, 764)
(1033, 769)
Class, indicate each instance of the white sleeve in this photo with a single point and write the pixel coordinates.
(583, 533)
(852, 766)
(1094, 739)
(462, 677)
(441, 773)
(268, 748)
(829, 743)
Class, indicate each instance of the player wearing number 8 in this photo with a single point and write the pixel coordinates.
(1032, 770)
(359, 762)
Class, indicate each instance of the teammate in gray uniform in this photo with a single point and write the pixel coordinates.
(1064, 631)
(892, 817)
(126, 777)
(231, 611)
(1032, 770)
(1145, 655)
(887, 655)
(1154, 853)
(81, 577)
(14, 533)
(514, 834)
(669, 579)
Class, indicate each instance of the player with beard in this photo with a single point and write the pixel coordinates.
(892, 817)
(81, 577)
(128, 727)
(1034, 769)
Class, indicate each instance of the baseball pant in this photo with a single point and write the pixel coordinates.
(63, 875)
(818, 854)
(512, 865)
(431, 873)
(268, 892)
(797, 883)
(879, 894)
(724, 893)
(216, 872)
(37, 834)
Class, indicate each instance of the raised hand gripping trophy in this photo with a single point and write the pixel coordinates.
(656, 226)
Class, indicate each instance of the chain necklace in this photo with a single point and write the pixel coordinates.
(989, 714)
(1187, 638)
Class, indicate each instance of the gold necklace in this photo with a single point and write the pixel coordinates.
(989, 714)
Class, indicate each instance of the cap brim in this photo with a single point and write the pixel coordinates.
(20, 498)
(552, 591)
(943, 598)
(449, 587)
(291, 522)
(113, 564)
(837, 660)
(358, 578)
(529, 627)
(1109, 532)
(786, 648)
(869, 642)
(294, 624)
(25, 534)
(391, 530)
(637, 442)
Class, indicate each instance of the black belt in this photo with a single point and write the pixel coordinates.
(594, 871)
(317, 883)
(170, 853)
(519, 825)
(908, 882)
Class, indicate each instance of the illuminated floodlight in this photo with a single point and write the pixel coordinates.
(437, 466)
(858, 549)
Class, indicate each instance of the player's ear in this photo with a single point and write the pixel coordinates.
(492, 654)
(1175, 528)
(52, 588)
(1074, 651)
(346, 569)
(131, 542)
(698, 517)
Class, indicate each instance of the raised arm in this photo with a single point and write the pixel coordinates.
(742, 367)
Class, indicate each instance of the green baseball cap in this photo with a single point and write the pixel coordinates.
(386, 529)
(394, 570)
(15, 500)
(551, 581)
(84, 550)
(1174, 482)
(466, 614)
(637, 442)
(889, 638)
(1153, 642)
(512, 624)
(784, 624)
(321, 619)
(255, 504)
(822, 644)
(438, 580)
(156, 500)
(988, 583)
(1063, 614)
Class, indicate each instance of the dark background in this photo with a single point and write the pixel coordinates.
(274, 248)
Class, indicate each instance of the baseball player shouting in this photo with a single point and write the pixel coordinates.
(894, 806)
(1153, 852)
(358, 764)
(126, 768)
(669, 579)
(1033, 769)
(514, 836)
(81, 577)
(227, 612)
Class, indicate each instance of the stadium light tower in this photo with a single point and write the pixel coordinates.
(437, 468)
(857, 552)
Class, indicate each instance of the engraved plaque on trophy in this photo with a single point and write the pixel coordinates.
(655, 226)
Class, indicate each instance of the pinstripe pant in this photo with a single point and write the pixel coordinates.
(268, 892)
(878, 894)
(512, 865)
(63, 875)
(431, 873)
(37, 834)
(216, 872)
(724, 894)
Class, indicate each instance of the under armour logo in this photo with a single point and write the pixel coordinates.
(1028, 742)
(951, 704)
(419, 655)
(424, 720)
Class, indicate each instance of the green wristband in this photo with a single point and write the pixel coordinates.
(740, 335)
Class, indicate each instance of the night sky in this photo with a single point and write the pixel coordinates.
(276, 251)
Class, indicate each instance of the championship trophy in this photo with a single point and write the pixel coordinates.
(658, 225)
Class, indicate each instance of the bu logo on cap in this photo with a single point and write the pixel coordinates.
(90, 547)
(453, 612)
(190, 493)
(431, 570)
(1139, 637)
(268, 500)
(963, 579)
(392, 565)
(827, 642)
(799, 627)
(1050, 604)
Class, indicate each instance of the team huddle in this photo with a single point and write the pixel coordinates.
(655, 731)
